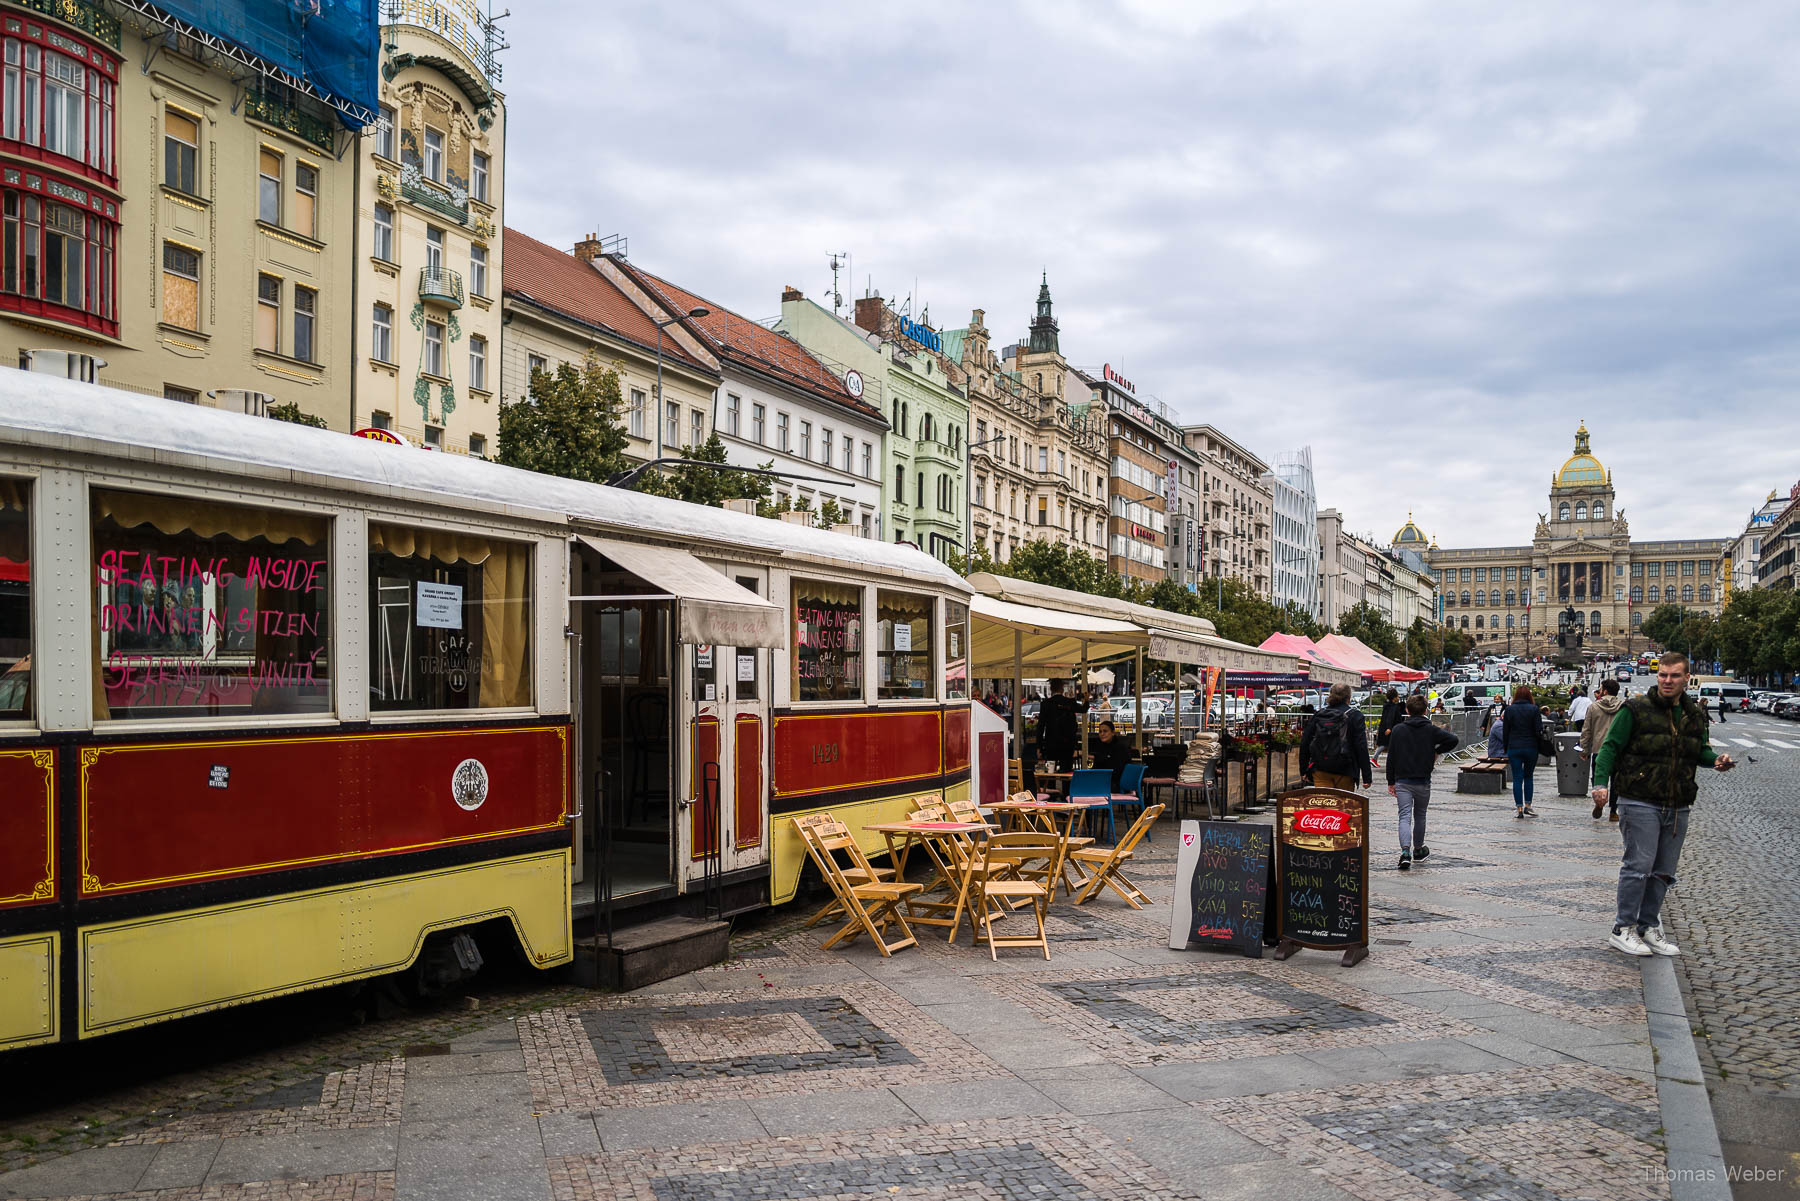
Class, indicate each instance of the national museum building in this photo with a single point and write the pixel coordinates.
(1581, 556)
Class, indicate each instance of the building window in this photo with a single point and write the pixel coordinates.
(1705, 593)
(1687, 594)
(868, 461)
(919, 490)
(58, 103)
(434, 348)
(806, 440)
(59, 255)
(639, 402)
(473, 650)
(385, 133)
(268, 189)
(381, 420)
(181, 286)
(826, 660)
(306, 303)
(1043, 458)
(758, 422)
(381, 337)
(732, 406)
(981, 491)
(477, 446)
(383, 247)
(956, 651)
(1481, 596)
(434, 248)
(306, 200)
(900, 483)
(478, 362)
(186, 396)
(1655, 593)
(434, 436)
(903, 629)
(849, 454)
(825, 447)
(181, 152)
(1480, 572)
(781, 432)
(208, 610)
(478, 264)
(1562, 512)
(1655, 569)
(434, 155)
(697, 424)
(268, 313)
(1581, 510)
(1687, 567)
(671, 425)
(478, 177)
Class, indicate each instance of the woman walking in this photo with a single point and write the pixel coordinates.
(1523, 721)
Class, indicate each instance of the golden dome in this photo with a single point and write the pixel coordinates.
(1409, 533)
(1582, 467)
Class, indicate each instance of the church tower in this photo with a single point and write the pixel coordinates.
(1043, 326)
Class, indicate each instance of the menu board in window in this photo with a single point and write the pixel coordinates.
(827, 654)
(903, 620)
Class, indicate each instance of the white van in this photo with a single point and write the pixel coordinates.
(1736, 696)
(1455, 696)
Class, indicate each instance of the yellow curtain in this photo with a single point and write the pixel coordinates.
(505, 600)
(206, 518)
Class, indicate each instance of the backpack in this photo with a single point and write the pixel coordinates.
(1331, 741)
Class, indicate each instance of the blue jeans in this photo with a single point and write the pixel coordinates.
(1524, 765)
(1653, 838)
(1413, 796)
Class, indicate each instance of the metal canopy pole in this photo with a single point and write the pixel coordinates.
(1018, 701)
(1087, 727)
(1137, 723)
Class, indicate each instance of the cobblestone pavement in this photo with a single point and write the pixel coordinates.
(1736, 914)
(1488, 1048)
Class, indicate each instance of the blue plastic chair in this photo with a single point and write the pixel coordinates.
(1130, 793)
(1094, 785)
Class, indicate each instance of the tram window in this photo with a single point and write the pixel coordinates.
(15, 600)
(827, 655)
(903, 623)
(956, 651)
(451, 620)
(208, 610)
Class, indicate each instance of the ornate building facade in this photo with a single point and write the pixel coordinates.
(1581, 558)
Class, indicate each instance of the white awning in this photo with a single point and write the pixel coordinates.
(1052, 640)
(713, 610)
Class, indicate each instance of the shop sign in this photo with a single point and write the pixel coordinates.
(923, 335)
(1113, 377)
(1174, 476)
(375, 435)
(1138, 531)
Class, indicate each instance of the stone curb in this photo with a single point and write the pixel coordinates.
(1695, 1161)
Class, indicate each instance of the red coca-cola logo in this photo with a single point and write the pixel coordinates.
(1322, 821)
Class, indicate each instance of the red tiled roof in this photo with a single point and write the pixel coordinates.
(555, 279)
(734, 336)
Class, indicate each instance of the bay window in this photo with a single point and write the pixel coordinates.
(59, 103)
(58, 254)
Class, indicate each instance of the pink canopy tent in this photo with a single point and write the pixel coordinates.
(1309, 652)
(1353, 653)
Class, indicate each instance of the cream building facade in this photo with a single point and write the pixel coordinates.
(430, 209)
(1236, 508)
(176, 222)
(1037, 462)
(1581, 559)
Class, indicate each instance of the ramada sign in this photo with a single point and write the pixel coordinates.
(1322, 821)
(1113, 377)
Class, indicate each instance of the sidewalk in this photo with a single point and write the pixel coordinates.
(1491, 1046)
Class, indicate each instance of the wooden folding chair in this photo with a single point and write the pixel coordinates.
(1103, 863)
(870, 906)
(1006, 855)
(833, 907)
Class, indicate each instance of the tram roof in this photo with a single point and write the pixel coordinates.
(58, 414)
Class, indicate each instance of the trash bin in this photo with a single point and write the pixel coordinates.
(1571, 766)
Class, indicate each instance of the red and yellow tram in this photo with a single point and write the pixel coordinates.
(282, 708)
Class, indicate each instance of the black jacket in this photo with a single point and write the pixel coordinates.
(1359, 746)
(1115, 755)
(1059, 727)
(1522, 720)
(1413, 748)
(1392, 714)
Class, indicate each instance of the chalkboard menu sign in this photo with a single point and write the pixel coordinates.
(1221, 886)
(1322, 871)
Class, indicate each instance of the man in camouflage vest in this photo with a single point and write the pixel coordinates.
(1648, 761)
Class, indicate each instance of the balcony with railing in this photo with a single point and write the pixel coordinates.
(413, 188)
(441, 285)
(459, 22)
(87, 17)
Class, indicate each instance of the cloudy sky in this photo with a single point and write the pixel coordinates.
(1424, 238)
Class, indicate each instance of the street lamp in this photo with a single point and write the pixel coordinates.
(657, 416)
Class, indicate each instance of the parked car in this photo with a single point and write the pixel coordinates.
(1788, 707)
(1623, 674)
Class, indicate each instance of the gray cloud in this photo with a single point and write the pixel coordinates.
(1425, 238)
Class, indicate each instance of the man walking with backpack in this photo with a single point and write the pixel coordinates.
(1413, 748)
(1334, 751)
(1655, 744)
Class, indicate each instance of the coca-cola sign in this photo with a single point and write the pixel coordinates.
(1322, 821)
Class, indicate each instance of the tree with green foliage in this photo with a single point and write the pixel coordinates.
(294, 414)
(831, 514)
(709, 486)
(1758, 634)
(1365, 623)
(569, 425)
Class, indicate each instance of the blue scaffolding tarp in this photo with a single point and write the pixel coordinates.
(334, 45)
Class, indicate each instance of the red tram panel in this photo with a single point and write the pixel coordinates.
(28, 815)
(833, 752)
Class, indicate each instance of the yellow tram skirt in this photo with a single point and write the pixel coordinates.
(787, 854)
(150, 969)
(28, 989)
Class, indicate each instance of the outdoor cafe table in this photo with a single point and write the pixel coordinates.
(1049, 811)
(901, 837)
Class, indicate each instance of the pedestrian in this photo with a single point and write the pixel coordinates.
(1654, 746)
(1722, 708)
(1496, 734)
(1392, 711)
(1112, 753)
(1578, 705)
(1413, 748)
(1336, 744)
(1524, 722)
(1594, 727)
(1059, 726)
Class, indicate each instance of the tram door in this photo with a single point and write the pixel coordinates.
(726, 797)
